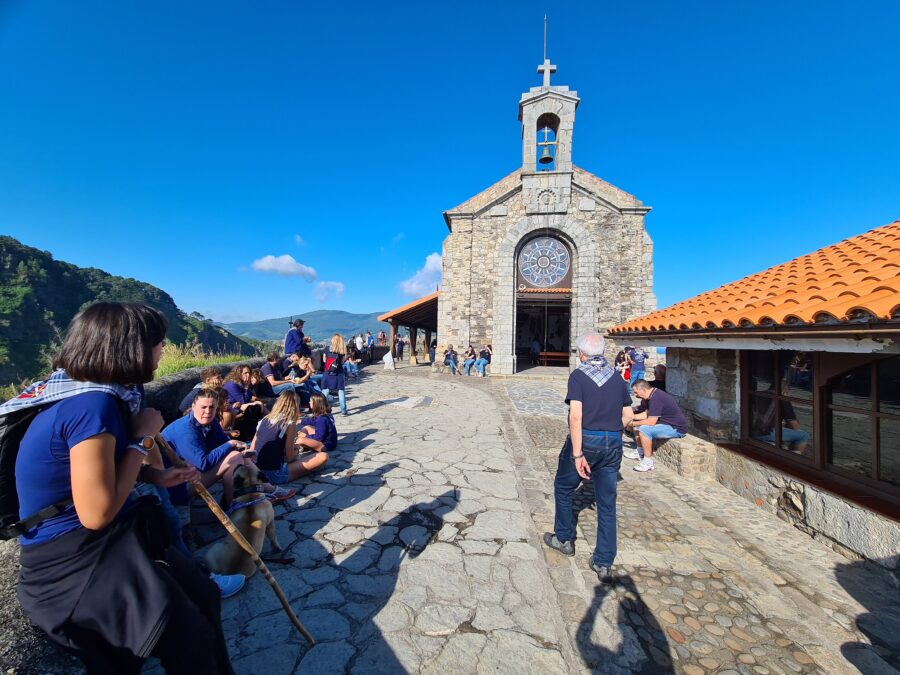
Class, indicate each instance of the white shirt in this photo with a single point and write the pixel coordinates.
(359, 343)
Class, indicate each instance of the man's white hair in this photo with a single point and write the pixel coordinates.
(591, 343)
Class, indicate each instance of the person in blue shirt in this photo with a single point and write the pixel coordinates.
(317, 431)
(88, 575)
(198, 438)
(295, 340)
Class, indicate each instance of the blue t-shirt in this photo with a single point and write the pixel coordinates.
(637, 359)
(269, 446)
(601, 407)
(325, 430)
(43, 472)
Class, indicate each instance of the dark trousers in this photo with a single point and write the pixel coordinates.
(603, 452)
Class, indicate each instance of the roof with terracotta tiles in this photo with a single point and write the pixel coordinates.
(505, 185)
(857, 279)
(421, 313)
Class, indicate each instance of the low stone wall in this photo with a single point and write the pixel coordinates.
(691, 457)
(849, 529)
(705, 384)
(167, 392)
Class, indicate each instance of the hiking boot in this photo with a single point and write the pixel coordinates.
(228, 584)
(631, 454)
(604, 572)
(645, 464)
(564, 547)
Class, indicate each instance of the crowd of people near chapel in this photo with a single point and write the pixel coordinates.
(102, 509)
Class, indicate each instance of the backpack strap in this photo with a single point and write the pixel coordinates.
(32, 521)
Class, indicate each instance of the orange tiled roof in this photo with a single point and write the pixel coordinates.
(415, 304)
(858, 278)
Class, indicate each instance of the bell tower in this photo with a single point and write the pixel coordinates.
(547, 114)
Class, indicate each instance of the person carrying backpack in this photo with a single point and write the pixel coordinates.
(98, 572)
(334, 371)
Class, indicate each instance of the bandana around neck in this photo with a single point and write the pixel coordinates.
(598, 369)
(60, 386)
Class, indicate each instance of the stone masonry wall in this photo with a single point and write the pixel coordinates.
(612, 258)
(705, 384)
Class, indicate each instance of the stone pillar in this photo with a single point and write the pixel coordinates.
(426, 357)
(412, 345)
(393, 338)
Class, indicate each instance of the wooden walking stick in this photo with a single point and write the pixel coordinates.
(240, 539)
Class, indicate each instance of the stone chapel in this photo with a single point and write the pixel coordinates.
(545, 254)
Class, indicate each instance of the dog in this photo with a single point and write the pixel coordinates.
(253, 516)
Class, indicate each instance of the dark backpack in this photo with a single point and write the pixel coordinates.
(334, 364)
(13, 426)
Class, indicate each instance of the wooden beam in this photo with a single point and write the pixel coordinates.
(393, 338)
(412, 346)
(426, 357)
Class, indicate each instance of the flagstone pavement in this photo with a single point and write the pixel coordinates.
(419, 551)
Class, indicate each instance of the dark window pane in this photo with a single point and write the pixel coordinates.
(889, 385)
(763, 418)
(762, 371)
(796, 432)
(851, 441)
(795, 370)
(853, 388)
(889, 450)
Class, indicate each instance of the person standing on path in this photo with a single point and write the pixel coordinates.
(599, 408)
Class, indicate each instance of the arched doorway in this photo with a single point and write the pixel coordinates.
(544, 272)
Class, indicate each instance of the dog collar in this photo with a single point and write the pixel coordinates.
(249, 490)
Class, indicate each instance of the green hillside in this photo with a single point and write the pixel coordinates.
(39, 296)
(320, 325)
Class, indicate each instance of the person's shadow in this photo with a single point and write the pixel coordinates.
(872, 587)
(643, 646)
(338, 596)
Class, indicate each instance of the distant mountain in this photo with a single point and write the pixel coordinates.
(320, 325)
(39, 296)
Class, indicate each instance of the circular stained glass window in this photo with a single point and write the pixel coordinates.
(544, 261)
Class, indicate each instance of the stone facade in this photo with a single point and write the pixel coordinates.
(612, 254)
(705, 384)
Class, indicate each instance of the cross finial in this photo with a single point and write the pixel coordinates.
(546, 68)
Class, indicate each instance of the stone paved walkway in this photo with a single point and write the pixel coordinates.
(418, 551)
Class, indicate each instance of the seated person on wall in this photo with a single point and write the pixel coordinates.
(242, 412)
(451, 359)
(198, 438)
(792, 434)
(277, 453)
(621, 363)
(317, 430)
(469, 358)
(484, 358)
(274, 374)
(262, 390)
(351, 364)
(209, 377)
(659, 377)
(658, 417)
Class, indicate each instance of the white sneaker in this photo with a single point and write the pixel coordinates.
(631, 454)
(645, 464)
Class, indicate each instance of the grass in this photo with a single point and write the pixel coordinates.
(176, 358)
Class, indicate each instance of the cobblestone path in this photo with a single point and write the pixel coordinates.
(418, 551)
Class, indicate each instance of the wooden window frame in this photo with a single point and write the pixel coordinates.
(824, 366)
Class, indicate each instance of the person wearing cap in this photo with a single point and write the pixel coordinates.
(295, 340)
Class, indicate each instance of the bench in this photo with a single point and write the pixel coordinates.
(544, 358)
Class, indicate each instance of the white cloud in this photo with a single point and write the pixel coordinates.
(326, 289)
(424, 280)
(299, 240)
(284, 265)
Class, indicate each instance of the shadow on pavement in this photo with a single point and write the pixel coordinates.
(643, 646)
(873, 588)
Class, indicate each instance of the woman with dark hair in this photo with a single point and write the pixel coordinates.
(97, 571)
(242, 412)
(469, 359)
(484, 358)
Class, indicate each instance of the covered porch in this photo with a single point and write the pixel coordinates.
(417, 315)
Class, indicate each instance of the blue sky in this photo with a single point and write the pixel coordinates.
(194, 145)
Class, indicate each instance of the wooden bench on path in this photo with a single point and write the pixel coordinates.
(544, 358)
